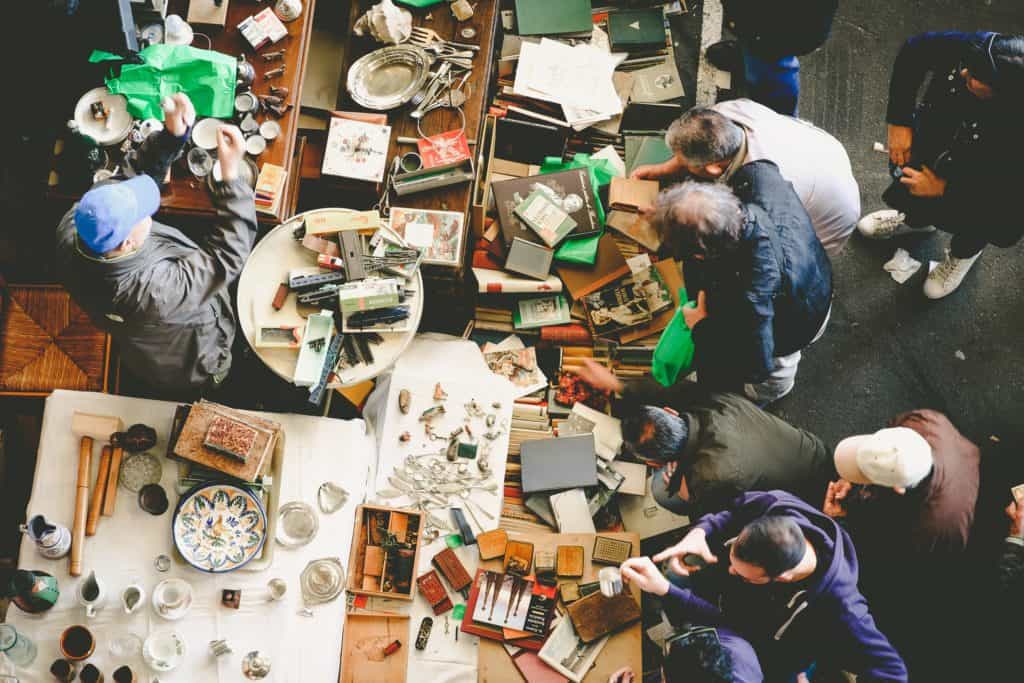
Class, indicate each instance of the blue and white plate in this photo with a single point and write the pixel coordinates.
(219, 527)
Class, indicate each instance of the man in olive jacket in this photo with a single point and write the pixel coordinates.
(163, 297)
(716, 446)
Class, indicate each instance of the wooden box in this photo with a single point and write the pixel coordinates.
(371, 568)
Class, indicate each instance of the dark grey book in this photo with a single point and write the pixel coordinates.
(556, 464)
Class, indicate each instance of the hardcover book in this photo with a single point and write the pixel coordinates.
(547, 310)
(551, 223)
(568, 190)
(617, 307)
(657, 83)
(637, 30)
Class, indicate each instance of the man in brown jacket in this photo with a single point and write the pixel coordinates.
(907, 496)
(917, 484)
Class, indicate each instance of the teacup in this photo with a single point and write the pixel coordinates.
(172, 598)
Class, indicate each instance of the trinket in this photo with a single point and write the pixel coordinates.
(385, 22)
(405, 437)
(330, 497)
(473, 409)
(452, 452)
(424, 633)
(611, 550)
(467, 450)
(322, 580)
(77, 643)
(404, 401)
(297, 524)
(448, 563)
(439, 393)
(255, 666)
(274, 73)
(392, 648)
(462, 10)
(135, 439)
(153, 499)
(288, 10)
(468, 33)
(431, 413)
(33, 591)
(53, 541)
(491, 419)
(231, 598)
(276, 589)
(611, 581)
(219, 647)
(279, 90)
(162, 563)
(63, 670)
(275, 56)
(245, 74)
(90, 674)
(518, 557)
(431, 588)
(305, 612)
(132, 597)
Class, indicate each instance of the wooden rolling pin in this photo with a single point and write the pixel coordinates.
(111, 484)
(97, 493)
(81, 505)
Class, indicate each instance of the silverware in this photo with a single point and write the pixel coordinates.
(425, 36)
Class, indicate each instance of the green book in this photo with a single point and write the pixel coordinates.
(651, 149)
(546, 17)
(547, 310)
(637, 30)
(546, 218)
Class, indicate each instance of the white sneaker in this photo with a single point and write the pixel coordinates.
(888, 223)
(948, 275)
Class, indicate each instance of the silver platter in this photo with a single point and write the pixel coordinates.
(388, 77)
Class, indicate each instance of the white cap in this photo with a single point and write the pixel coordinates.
(897, 457)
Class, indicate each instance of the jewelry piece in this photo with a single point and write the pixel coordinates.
(219, 647)
(162, 563)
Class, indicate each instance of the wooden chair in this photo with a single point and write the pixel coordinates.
(47, 342)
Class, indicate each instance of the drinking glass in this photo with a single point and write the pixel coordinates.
(18, 647)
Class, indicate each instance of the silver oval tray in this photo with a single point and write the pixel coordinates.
(388, 78)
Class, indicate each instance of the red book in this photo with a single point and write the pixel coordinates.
(573, 334)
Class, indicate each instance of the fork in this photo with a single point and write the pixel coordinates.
(423, 36)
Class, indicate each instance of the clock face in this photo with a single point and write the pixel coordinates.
(151, 34)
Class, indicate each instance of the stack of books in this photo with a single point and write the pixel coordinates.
(229, 441)
(270, 188)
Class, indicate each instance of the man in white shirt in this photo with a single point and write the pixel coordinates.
(714, 142)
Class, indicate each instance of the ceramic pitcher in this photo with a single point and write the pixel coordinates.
(53, 541)
(33, 591)
(91, 594)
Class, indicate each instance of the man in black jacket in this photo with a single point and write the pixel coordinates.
(954, 158)
(762, 278)
(771, 35)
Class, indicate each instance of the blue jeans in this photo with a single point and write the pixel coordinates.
(775, 84)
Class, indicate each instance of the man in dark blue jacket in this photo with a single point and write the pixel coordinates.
(771, 37)
(790, 588)
(955, 156)
(763, 280)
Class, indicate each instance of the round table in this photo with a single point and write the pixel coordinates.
(268, 266)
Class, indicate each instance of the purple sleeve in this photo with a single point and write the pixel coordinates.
(697, 609)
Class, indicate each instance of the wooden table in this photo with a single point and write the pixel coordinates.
(188, 196)
(454, 197)
(624, 648)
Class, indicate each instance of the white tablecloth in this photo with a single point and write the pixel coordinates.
(301, 649)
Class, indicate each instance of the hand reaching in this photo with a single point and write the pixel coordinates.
(694, 543)
(643, 572)
(837, 491)
(179, 114)
(900, 140)
(230, 150)
(598, 376)
(1015, 512)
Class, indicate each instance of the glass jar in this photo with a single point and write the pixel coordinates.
(18, 647)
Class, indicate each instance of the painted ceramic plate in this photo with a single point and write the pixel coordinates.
(219, 527)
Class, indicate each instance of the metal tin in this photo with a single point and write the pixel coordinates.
(322, 580)
(246, 102)
(389, 77)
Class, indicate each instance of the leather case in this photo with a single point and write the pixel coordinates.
(595, 616)
(570, 560)
(448, 563)
(491, 544)
(518, 557)
(433, 590)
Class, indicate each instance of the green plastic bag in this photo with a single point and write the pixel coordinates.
(207, 77)
(673, 355)
(582, 250)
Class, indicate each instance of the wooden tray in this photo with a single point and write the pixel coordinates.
(366, 633)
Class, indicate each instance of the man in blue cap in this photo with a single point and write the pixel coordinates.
(163, 297)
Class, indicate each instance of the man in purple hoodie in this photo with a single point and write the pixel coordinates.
(790, 589)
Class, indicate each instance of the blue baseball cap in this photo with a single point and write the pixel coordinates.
(107, 214)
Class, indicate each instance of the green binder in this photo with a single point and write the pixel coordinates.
(645, 149)
(637, 30)
(545, 17)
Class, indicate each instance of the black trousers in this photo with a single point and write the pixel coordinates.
(924, 211)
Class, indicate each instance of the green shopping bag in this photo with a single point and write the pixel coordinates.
(582, 250)
(673, 355)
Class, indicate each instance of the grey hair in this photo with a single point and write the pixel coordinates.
(703, 136)
(699, 217)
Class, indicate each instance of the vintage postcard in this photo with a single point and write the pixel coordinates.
(504, 600)
(438, 233)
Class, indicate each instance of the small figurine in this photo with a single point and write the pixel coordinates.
(405, 437)
(404, 401)
(135, 439)
(439, 393)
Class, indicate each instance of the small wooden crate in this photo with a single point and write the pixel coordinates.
(399, 521)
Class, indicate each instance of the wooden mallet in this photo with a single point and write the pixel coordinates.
(87, 427)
